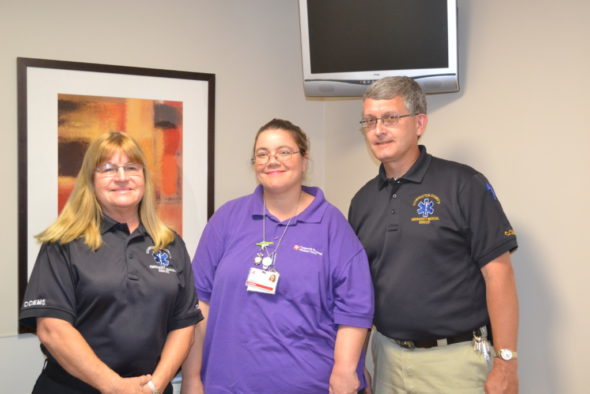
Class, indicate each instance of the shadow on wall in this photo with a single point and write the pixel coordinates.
(537, 334)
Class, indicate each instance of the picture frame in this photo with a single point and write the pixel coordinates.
(46, 90)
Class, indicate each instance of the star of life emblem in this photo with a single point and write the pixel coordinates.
(424, 205)
(162, 258)
(425, 208)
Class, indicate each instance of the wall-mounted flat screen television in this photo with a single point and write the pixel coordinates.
(347, 44)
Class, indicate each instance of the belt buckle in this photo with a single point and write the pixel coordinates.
(406, 343)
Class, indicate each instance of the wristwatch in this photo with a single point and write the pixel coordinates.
(506, 354)
(152, 387)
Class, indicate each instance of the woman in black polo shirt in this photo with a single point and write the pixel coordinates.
(111, 294)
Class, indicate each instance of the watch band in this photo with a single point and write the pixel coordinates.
(152, 387)
(506, 354)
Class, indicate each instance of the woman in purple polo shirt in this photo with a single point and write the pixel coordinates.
(283, 283)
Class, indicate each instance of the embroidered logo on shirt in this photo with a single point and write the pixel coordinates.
(306, 249)
(425, 205)
(510, 232)
(491, 190)
(162, 257)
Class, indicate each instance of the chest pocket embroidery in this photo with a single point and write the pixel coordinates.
(425, 206)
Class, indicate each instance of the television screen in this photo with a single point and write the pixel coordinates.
(347, 44)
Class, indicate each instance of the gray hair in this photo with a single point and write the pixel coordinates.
(391, 87)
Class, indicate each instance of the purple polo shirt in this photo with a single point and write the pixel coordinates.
(281, 343)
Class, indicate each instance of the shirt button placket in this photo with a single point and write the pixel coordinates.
(394, 209)
(132, 272)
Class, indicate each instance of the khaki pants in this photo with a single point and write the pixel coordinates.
(456, 368)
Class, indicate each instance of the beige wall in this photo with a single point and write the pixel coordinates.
(520, 118)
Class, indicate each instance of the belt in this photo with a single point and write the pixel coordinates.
(464, 337)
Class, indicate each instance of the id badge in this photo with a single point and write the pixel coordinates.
(261, 281)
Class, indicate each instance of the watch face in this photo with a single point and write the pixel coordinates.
(506, 354)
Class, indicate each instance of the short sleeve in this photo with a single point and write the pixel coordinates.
(353, 293)
(186, 310)
(208, 254)
(51, 288)
(490, 234)
(352, 285)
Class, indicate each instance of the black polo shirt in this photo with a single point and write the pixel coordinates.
(123, 298)
(427, 236)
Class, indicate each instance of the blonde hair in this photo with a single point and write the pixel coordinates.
(82, 214)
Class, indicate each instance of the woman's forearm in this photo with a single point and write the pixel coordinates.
(347, 352)
(191, 368)
(178, 343)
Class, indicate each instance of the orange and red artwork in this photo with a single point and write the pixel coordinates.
(155, 124)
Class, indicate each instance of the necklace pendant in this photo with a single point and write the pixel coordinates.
(258, 259)
(264, 244)
(266, 262)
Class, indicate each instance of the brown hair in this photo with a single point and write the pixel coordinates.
(298, 135)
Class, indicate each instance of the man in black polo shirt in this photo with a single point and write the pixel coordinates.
(439, 247)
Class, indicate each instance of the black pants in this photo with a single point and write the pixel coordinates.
(56, 380)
